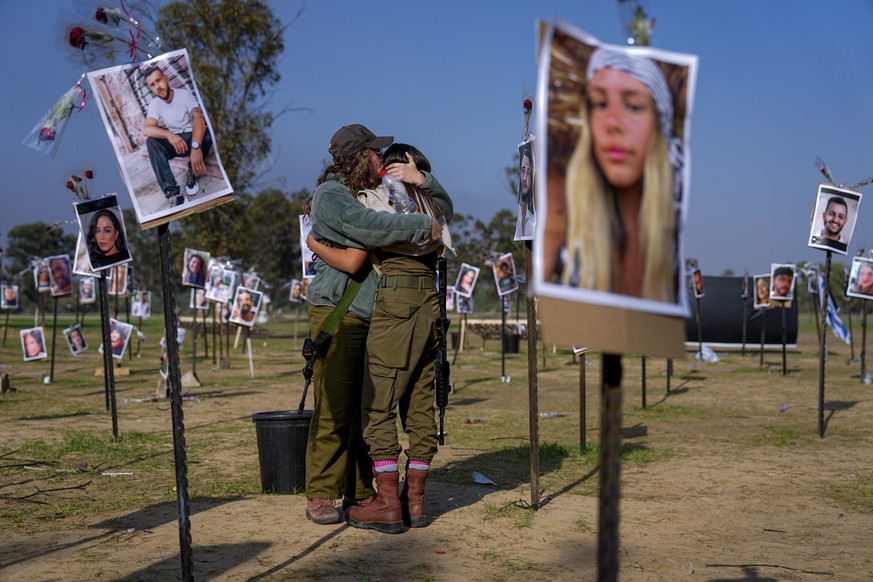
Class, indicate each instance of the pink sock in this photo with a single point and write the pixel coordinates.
(419, 465)
(385, 466)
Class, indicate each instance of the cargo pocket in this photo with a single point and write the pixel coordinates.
(391, 331)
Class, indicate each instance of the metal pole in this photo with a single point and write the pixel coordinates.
(864, 342)
(784, 340)
(610, 469)
(532, 398)
(54, 337)
(175, 383)
(644, 380)
(763, 331)
(503, 339)
(108, 366)
(583, 445)
(822, 344)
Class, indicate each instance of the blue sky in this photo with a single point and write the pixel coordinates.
(778, 84)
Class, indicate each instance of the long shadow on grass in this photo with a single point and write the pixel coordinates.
(146, 519)
(56, 416)
(835, 405)
(209, 562)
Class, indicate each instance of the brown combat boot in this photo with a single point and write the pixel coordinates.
(412, 498)
(384, 513)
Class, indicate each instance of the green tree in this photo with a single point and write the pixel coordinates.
(235, 46)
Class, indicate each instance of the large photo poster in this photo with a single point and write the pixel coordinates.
(162, 137)
(612, 185)
(615, 128)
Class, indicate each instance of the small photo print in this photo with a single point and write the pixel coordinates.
(251, 280)
(33, 344)
(163, 139)
(118, 280)
(861, 278)
(8, 296)
(41, 278)
(467, 276)
(307, 257)
(119, 336)
(75, 339)
(87, 290)
(450, 297)
(245, 306)
(504, 275)
(834, 218)
(221, 283)
(781, 282)
(697, 283)
(142, 304)
(296, 294)
(812, 279)
(198, 300)
(463, 303)
(101, 225)
(762, 291)
(61, 275)
(196, 268)
(526, 223)
(306, 282)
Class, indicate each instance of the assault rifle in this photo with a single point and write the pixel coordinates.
(441, 362)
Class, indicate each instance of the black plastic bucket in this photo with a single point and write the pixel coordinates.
(510, 343)
(282, 437)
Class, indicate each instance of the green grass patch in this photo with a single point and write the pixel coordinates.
(856, 493)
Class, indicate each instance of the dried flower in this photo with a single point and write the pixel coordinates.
(76, 178)
(105, 15)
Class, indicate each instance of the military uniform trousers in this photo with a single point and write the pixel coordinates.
(401, 348)
(336, 455)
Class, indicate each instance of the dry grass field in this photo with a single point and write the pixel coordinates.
(724, 477)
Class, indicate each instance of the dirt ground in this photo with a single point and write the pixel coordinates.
(725, 479)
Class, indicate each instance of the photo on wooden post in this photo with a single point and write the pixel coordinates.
(8, 296)
(833, 218)
(142, 304)
(33, 344)
(198, 300)
(782, 281)
(41, 279)
(101, 226)
(526, 221)
(861, 278)
(245, 306)
(195, 270)
(75, 339)
(87, 290)
(466, 282)
(60, 275)
(504, 275)
(296, 295)
(762, 291)
(611, 206)
(119, 337)
(162, 137)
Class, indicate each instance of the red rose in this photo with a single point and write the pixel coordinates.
(70, 186)
(89, 174)
(101, 15)
(76, 178)
(77, 38)
(46, 134)
(528, 103)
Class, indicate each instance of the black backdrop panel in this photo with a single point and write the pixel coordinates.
(721, 315)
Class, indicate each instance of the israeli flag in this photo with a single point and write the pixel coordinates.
(834, 320)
